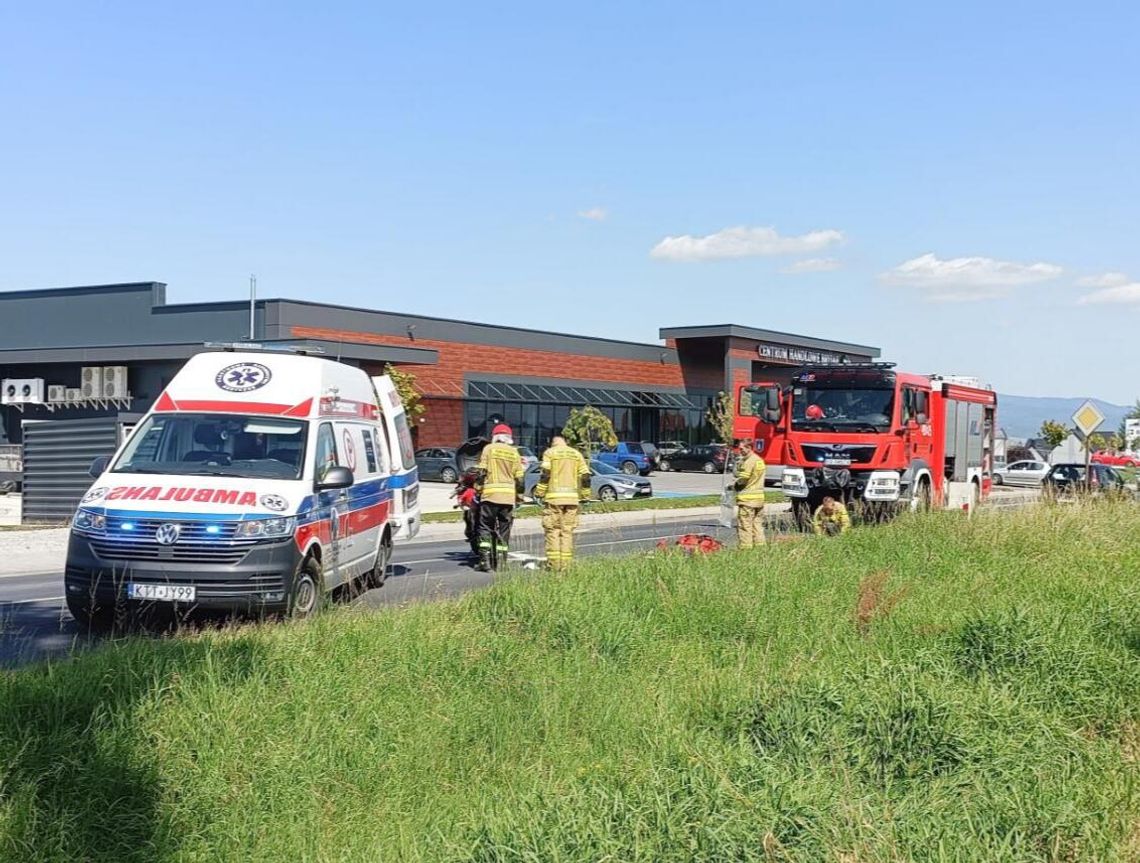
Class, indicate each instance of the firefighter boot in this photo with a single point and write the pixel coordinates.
(484, 564)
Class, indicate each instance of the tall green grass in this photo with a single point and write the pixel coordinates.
(937, 689)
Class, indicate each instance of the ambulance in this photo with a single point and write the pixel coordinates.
(258, 481)
(405, 481)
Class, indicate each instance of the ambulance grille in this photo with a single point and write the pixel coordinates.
(134, 539)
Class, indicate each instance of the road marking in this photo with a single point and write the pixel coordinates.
(29, 601)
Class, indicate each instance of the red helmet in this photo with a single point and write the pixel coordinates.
(502, 428)
(814, 412)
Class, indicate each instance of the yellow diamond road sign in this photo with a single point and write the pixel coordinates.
(1087, 419)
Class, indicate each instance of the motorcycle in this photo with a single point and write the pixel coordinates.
(467, 498)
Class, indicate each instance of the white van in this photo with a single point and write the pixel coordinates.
(405, 481)
(257, 481)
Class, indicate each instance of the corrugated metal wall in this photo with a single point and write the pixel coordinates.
(57, 456)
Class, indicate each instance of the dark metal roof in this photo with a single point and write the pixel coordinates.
(181, 351)
(720, 331)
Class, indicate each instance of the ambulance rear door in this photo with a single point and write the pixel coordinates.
(405, 483)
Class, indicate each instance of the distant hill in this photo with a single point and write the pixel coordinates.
(1021, 416)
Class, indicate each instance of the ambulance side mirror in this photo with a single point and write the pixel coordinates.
(99, 466)
(335, 478)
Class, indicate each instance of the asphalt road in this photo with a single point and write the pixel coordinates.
(34, 622)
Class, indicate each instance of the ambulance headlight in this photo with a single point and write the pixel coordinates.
(265, 528)
(89, 522)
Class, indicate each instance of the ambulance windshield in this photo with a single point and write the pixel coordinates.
(216, 445)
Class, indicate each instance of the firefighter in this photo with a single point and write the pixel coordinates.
(749, 486)
(563, 486)
(831, 519)
(499, 477)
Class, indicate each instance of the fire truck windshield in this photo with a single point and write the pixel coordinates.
(842, 410)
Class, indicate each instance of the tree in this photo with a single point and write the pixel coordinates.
(405, 383)
(588, 429)
(1054, 433)
(720, 417)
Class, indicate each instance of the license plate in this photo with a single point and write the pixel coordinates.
(837, 462)
(162, 592)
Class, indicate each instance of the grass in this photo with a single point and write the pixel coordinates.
(595, 507)
(939, 689)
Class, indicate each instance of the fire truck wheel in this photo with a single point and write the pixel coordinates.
(448, 475)
(801, 515)
(920, 502)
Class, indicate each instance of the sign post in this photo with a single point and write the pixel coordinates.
(1087, 420)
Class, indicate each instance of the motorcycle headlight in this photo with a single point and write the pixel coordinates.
(261, 528)
(89, 521)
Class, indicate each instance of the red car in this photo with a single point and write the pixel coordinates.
(1116, 459)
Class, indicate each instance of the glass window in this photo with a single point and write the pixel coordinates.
(816, 409)
(326, 450)
(369, 451)
(216, 444)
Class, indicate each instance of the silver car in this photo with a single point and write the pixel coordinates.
(1023, 474)
(606, 483)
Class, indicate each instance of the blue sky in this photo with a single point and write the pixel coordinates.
(957, 183)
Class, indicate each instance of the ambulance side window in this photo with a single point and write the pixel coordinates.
(326, 450)
(381, 452)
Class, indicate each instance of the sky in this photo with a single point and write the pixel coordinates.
(958, 184)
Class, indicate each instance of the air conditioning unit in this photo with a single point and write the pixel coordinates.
(74, 394)
(91, 382)
(57, 393)
(22, 391)
(114, 382)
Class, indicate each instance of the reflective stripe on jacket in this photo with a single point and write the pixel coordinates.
(565, 477)
(501, 469)
(750, 481)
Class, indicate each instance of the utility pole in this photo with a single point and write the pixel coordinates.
(252, 304)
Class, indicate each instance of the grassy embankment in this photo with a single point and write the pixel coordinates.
(595, 507)
(937, 689)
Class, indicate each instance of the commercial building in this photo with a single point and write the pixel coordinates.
(109, 350)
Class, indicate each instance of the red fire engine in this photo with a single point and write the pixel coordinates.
(873, 436)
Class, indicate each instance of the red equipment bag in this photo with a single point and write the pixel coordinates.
(694, 543)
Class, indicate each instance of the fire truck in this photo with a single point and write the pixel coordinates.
(874, 437)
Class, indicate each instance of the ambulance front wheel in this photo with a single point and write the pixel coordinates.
(305, 595)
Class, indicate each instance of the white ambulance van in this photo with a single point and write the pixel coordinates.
(257, 481)
(405, 481)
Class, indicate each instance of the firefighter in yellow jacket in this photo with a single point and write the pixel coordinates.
(831, 518)
(499, 479)
(750, 470)
(564, 484)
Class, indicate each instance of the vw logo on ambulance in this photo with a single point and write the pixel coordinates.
(243, 377)
(167, 534)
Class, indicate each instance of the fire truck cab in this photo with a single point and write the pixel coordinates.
(873, 436)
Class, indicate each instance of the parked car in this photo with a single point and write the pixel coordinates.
(667, 447)
(629, 457)
(709, 458)
(1120, 459)
(606, 483)
(437, 463)
(528, 457)
(1066, 479)
(650, 449)
(1021, 473)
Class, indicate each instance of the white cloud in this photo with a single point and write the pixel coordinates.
(963, 279)
(812, 265)
(742, 242)
(1114, 288)
(594, 214)
(1105, 280)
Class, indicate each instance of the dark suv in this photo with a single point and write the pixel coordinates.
(709, 458)
(1066, 479)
